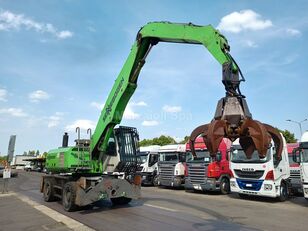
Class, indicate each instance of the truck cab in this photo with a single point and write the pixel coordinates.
(267, 177)
(300, 155)
(148, 168)
(172, 165)
(206, 173)
(295, 178)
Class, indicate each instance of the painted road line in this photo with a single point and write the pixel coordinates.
(159, 207)
(69, 222)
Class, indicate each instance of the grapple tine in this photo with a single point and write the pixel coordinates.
(248, 146)
(195, 133)
(214, 135)
(259, 135)
(276, 136)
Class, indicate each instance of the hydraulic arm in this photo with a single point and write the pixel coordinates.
(232, 119)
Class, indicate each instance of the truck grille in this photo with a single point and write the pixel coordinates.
(166, 171)
(250, 175)
(295, 174)
(196, 172)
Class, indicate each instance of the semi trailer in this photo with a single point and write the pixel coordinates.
(267, 177)
(172, 165)
(206, 173)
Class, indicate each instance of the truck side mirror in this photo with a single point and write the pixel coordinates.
(296, 155)
(218, 156)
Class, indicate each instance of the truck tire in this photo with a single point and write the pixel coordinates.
(225, 186)
(48, 190)
(120, 200)
(69, 196)
(155, 180)
(283, 192)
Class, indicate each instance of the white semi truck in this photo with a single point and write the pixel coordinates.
(300, 155)
(266, 177)
(149, 158)
(172, 165)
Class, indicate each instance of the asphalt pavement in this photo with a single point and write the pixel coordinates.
(168, 209)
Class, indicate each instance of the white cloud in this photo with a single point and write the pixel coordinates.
(38, 95)
(243, 20)
(54, 120)
(97, 105)
(129, 112)
(293, 32)
(3, 95)
(149, 123)
(250, 43)
(16, 112)
(10, 21)
(140, 103)
(83, 124)
(172, 109)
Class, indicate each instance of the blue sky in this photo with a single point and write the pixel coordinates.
(59, 60)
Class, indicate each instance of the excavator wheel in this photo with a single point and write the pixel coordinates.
(69, 196)
(120, 200)
(48, 190)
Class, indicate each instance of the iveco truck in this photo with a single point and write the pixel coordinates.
(148, 167)
(257, 176)
(172, 165)
(300, 155)
(206, 173)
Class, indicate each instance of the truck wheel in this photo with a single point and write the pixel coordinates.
(69, 196)
(225, 186)
(155, 180)
(48, 191)
(283, 192)
(120, 200)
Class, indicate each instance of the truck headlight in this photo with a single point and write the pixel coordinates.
(232, 184)
(268, 187)
(210, 180)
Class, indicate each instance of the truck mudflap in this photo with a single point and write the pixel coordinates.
(105, 188)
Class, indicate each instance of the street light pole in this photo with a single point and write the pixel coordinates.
(299, 124)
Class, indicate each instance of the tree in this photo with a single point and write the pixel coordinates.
(37, 153)
(162, 140)
(185, 140)
(289, 136)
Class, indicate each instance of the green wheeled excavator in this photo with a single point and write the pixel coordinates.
(104, 166)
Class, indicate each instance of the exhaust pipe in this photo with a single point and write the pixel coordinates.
(65, 140)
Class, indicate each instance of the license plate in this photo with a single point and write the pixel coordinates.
(248, 185)
(198, 187)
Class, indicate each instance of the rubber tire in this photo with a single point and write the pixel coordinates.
(69, 196)
(225, 186)
(155, 180)
(120, 200)
(48, 190)
(283, 192)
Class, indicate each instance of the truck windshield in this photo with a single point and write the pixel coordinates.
(169, 156)
(304, 154)
(238, 156)
(202, 155)
(143, 156)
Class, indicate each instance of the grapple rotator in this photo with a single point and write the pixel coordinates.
(233, 120)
